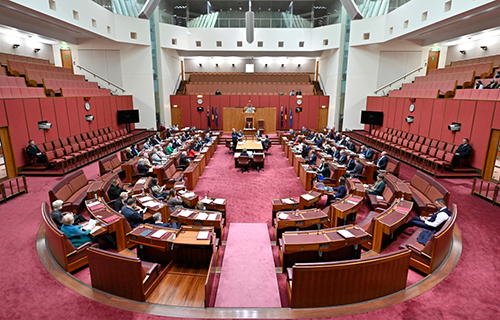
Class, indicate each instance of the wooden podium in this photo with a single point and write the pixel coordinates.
(237, 118)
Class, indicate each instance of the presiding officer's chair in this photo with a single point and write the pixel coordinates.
(258, 160)
(122, 275)
(244, 163)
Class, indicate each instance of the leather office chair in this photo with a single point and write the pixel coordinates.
(268, 147)
(244, 163)
(229, 146)
(258, 160)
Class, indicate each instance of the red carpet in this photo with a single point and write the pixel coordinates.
(28, 291)
(248, 276)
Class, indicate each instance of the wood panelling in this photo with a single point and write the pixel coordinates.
(491, 154)
(176, 115)
(8, 152)
(235, 118)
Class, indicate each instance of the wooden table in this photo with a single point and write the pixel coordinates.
(342, 210)
(309, 199)
(249, 144)
(113, 221)
(190, 199)
(370, 170)
(237, 156)
(321, 246)
(211, 204)
(193, 218)
(153, 205)
(192, 173)
(306, 176)
(296, 220)
(285, 204)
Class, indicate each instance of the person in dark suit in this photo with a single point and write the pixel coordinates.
(299, 92)
(312, 159)
(304, 130)
(336, 153)
(244, 153)
(331, 135)
(184, 161)
(258, 134)
(378, 187)
(217, 92)
(234, 137)
(350, 163)
(168, 134)
(463, 152)
(343, 157)
(329, 150)
(120, 202)
(338, 137)
(324, 169)
(305, 151)
(320, 141)
(369, 153)
(134, 150)
(141, 168)
(266, 144)
(433, 222)
(341, 191)
(382, 161)
(157, 222)
(344, 141)
(115, 190)
(34, 152)
(357, 170)
(192, 129)
(351, 146)
(57, 215)
(128, 153)
(133, 217)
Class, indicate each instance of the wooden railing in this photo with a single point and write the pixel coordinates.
(12, 187)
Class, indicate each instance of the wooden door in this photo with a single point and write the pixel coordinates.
(491, 168)
(433, 60)
(175, 115)
(66, 58)
(10, 167)
(322, 118)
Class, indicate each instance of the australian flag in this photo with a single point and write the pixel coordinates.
(216, 119)
(208, 116)
(282, 116)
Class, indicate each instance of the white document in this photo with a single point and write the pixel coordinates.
(219, 201)
(350, 201)
(158, 234)
(203, 235)
(150, 204)
(212, 216)
(141, 181)
(95, 203)
(90, 224)
(283, 216)
(182, 191)
(307, 197)
(287, 201)
(94, 229)
(346, 234)
(206, 201)
(145, 199)
(202, 216)
(189, 194)
(380, 198)
(185, 213)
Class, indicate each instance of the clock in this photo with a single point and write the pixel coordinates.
(200, 101)
(412, 107)
(299, 102)
(87, 106)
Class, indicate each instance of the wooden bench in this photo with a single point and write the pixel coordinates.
(316, 285)
(72, 189)
(110, 163)
(389, 194)
(429, 257)
(425, 190)
(63, 251)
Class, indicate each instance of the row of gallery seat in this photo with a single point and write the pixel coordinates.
(266, 77)
(249, 88)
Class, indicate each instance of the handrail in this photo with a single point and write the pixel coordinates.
(322, 84)
(100, 77)
(400, 78)
(176, 87)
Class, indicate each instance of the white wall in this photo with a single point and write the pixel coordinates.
(170, 70)
(136, 69)
(27, 46)
(291, 64)
(473, 49)
(329, 72)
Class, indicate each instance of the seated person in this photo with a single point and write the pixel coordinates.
(217, 92)
(34, 152)
(312, 159)
(157, 222)
(133, 217)
(134, 151)
(192, 152)
(184, 161)
(141, 168)
(319, 141)
(331, 134)
(479, 85)
(74, 233)
(338, 137)
(463, 152)
(311, 136)
(343, 157)
(128, 153)
(192, 129)
(378, 187)
(369, 153)
(304, 130)
(434, 222)
(258, 134)
(146, 161)
(324, 169)
(351, 146)
(341, 191)
(350, 163)
(147, 145)
(168, 134)
(57, 215)
(120, 202)
(336, 153)
(156, 190)
(207, 139)
(344, 141)
(266, 144)
(492, 84)
(169, 148)
(305, 151)
(244, 153)
(160, 153)
(162, 127)
(299, 92)
(292, 93)
(329, 150)
(357, 170)
(155, 158)
(115, 190)
(173, 202)
(240, 134)
(156, 139)
(382, 161)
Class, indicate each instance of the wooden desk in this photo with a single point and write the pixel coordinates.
(114, 222)
(249, 131)
(358, 189)
(295, 220)
(153, 205)
(306, 176)
(309, 199)
(320, 246)
(282, 205)
(370, 170)
(213, 205)
(194, 219)
(340, 211)
(192, 173)
(387, 222)
(95, 188)
(250, 144)
(190, 199)
(403, 189)
(237, 156)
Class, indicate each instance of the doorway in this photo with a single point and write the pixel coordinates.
(432, 60)
(175, 114)
(491, 169)
(3, 166)
(8, 168)
(66, 58)
(322, 118)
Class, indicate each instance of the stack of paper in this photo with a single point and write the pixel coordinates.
(346, 234)
(94, 229)
(89, 224)
(185, 213)
(287, 201)
(206, 201)
(283, 216)
(307, 197)
(219, 201)
(91, 204)
(151, 204)
(212, 216)
(158, 234)
(202, 216)
(145, 199)
(189, 194)
(203, 235)
(141, 181)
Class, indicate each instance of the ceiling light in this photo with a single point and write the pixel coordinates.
(15, 46)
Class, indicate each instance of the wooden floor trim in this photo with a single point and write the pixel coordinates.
(244, 313)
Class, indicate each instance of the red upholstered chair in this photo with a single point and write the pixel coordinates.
(244, 163)
(258, 160)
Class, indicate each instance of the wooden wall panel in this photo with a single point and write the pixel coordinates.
(426, 116)
(84, 124)
(234, 101)
(374, 104)
(385, 110)
(107, 111)
(49, 115)
(466, 116)
(244, 99)
(3, 115)
(62, 117)
(436, 119)
(391, 113)
(264, 102)
(73, 116)
(97, 110)
(255, 101)
(417, 116)
(496, 117)
(481, 131)
(235, 118)
(312, 122)
(19, 132)
(225, 102)
(195, 115)
(398, 117)
(33, 115)
(450, 115)
(185, 105)
(113, 109)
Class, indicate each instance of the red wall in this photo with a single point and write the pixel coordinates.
(67, 116)
(432, 117)
(308, 117)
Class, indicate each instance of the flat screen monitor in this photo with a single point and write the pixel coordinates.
(372, 117)
(127, 116)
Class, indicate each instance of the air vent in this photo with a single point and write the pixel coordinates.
(325, 42)
(424, 16)
(174, 41)
(109, 29)
(76, 16)
(447, 6)
(133, 35)
(219, 43)
(260, 44)
(52, 5)
(239, 43)
(281, 44)
(405, 24)
(366, 36)
(198, 43)
(301, 44)
(391, 30)
(94, 23)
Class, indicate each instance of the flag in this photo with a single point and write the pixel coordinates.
(291, 117)
(213, 114)
(208, 116)
(286, 111)
(282, 116)
(216, 118)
